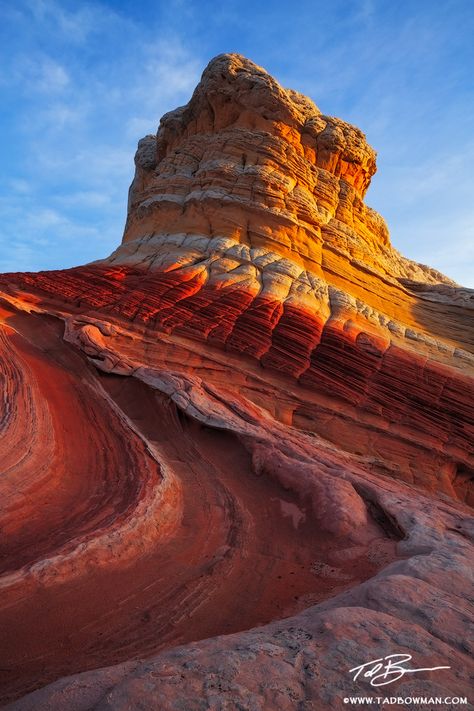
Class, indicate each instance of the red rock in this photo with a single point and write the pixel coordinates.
(255, 412)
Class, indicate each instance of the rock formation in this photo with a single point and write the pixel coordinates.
(237, 453)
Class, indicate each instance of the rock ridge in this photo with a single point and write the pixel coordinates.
(238, 452)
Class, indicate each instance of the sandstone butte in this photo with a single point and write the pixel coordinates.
(237, 454)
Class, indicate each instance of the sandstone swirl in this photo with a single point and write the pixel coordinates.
(254, 412)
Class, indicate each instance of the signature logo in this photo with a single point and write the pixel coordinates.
(388, 669)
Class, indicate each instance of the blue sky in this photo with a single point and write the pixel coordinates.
(81, 82)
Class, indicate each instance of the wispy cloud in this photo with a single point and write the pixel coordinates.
(41, 74)
(18, 185)
(77, 112)
(71, 24)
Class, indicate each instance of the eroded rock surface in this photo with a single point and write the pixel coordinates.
(254, 412)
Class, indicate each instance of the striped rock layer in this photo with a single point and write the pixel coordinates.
(255, 409)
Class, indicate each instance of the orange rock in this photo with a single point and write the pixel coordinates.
(255, 408)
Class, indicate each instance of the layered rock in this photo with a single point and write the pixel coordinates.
(255, 366)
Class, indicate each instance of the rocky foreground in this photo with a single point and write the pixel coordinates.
(237, 455)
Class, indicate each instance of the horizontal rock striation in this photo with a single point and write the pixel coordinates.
(254, 412)
(413, 391)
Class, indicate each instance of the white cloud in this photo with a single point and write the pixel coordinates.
(84, 199)
(72, 25)
(19, 185)
(62, 115)
(39, 74)
(140, 126)
(51, 76)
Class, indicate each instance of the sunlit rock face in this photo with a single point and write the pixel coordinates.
(254, 412)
